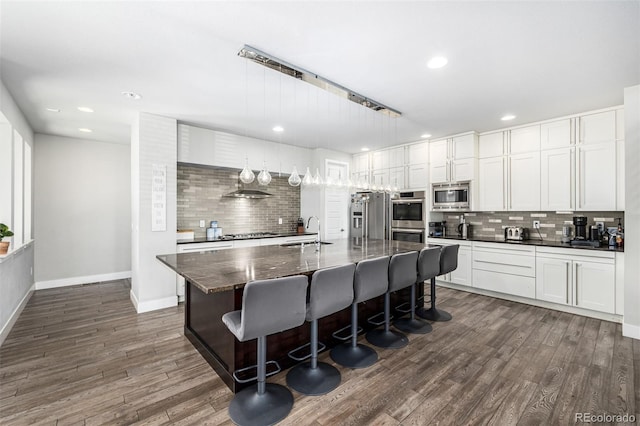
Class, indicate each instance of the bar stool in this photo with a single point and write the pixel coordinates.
(448, 262)
(401, 273)
(331, 290)
(370, 280)
(268, 307)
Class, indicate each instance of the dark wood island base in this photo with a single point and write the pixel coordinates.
(215, 282)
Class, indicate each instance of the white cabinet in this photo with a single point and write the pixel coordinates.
(380, 159)
(505, 269)
(417, 177)
(598, 127)
(491, 184)
(453, 159)
(557, 174)
(585, 281)
(620, 283)
(462, 274)
(524, 182)
(397, 178)
(524, 139)
(556, 134)
(491, 145)
(620, 183)
(418, 153)
(404, 167)
(596, 176)
(396, 157)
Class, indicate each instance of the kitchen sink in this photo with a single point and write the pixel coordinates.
(301, 244)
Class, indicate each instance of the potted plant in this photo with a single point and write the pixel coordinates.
(4, 232)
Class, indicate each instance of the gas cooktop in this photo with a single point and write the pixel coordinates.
(247, 236)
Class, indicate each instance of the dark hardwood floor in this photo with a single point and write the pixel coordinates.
(81, 355)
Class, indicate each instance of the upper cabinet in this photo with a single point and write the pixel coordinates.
(453, 159)
(525, 139)
(598, 127)
(403, 167)
(556, 134)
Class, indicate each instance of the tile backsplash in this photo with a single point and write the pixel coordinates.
(200, 196)
(491, 224)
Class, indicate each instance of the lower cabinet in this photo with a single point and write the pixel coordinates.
(462, 274)
(587, 282)
(505, 269)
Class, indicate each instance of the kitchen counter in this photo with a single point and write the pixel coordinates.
(215, 282)
(274, 235)
(534, 242)
(223, 270)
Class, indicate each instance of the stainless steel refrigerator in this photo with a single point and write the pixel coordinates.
(371, 215)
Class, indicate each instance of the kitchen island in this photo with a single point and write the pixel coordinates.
(214, 286)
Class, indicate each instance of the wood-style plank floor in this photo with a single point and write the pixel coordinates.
(81, 355)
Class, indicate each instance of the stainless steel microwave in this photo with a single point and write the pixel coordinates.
(453, 196)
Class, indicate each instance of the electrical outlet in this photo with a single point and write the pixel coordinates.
(279, 221)
(536, 224)
(201, 223)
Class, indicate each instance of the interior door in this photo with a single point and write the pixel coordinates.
(336, 201)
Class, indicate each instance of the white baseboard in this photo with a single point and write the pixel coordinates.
(87, 279)
(15, 314)
(152, 305)
(632, 331)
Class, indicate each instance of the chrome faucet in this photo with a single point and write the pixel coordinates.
(318, 237)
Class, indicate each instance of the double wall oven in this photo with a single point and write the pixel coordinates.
(408, 217)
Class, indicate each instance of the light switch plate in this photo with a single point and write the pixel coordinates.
(201, 223)
(279, 221)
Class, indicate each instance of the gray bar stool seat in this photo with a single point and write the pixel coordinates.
(370, 280)
(268, 307)
(448, 262)
(331, 290)
(400, 272)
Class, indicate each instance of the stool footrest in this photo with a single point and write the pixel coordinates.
(295, 357)
(404, 308)
(250, 379)
(372, 320)
(336, 334)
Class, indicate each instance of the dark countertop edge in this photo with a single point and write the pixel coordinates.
(534, 242)
(221, 240)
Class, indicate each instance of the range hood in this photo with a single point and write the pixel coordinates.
(243, 192)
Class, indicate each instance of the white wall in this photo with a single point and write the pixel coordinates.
(631, 321)
(153, 142)
(82, 211)
(16, 279)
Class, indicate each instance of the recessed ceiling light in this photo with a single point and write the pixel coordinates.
(508, 117)
(278, 129)
(53, 110)
(437, 62)
(85, 130)
(364, 149)
(85, 109)
(425, 136)
(132, 95)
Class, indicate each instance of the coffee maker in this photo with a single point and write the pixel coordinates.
(581, 238)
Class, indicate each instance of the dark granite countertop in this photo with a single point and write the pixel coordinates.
(274, 235)
(223, 270)
(535, 242)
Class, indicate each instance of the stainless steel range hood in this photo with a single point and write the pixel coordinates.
(253, 192)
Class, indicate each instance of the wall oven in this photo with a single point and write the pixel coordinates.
(450, 196)
(408, 213)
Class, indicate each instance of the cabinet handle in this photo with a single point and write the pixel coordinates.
(576, 280)
(567, 281)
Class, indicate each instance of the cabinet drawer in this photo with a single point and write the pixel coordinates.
(505, 283)
(195, 247)
(507, 263)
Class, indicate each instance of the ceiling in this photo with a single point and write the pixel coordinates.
(536, 60)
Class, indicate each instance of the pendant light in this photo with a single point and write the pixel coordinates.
(294, 179)
(308, 178)
(247, 175)
(264, 177)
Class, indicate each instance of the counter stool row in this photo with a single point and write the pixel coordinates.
(275, 305)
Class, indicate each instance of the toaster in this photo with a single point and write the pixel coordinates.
(516, 233)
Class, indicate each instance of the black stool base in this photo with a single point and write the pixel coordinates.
(413, 325)
(360, 356)
(387, 339)
(250, 408)
(313, 381)
(433, 314)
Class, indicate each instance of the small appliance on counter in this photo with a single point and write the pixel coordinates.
(516, 233)
(464, 230)
(566, 233)
(213, 232)
(436, 229)
(581, 238)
